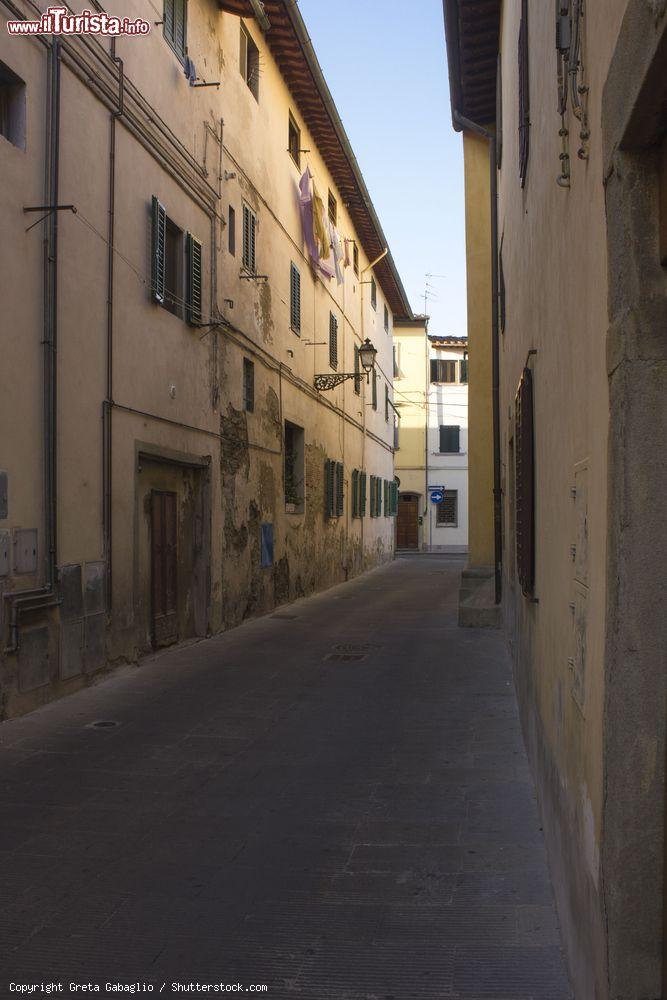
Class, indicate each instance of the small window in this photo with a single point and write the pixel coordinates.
(12, 107)
(175, 20)
(294, 468)
(334, 488)
(355, 259)
(447, 512)
(333, 208)
(249, 240)
(443, 371)
(450, 439)
(333, 340)
(176, 267)
(294, 141)
(231, 231)
(374, 294)
(248, 385)
(249, 62)
(295, 299)
(386, 319)
(267, 546)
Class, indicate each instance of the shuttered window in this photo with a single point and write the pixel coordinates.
(442, 370)
(333, 340)
(355, 493)
(387, 498)
(394, 498)
(193, 297)
(231, 231)
(374, 294)
(374, 382)
(295, 299)
(376, 496)
(158, 244)
(373, 497)
(357, 371)
(525, 483)
(334, 488)
(175, 16)
(450, 439)
(248, 385)
(249, 259)
(447, 512)
(524, 95)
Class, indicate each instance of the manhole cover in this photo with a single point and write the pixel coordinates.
(103, 724)
(354, 647)
(346, 657)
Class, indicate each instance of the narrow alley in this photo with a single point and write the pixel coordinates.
(333, 801)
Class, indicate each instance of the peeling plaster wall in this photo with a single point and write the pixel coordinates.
(177, 390)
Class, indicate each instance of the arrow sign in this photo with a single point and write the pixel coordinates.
(437, 496)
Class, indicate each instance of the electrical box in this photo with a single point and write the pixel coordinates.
(25, 550)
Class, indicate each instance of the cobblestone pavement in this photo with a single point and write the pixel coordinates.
(333, 801)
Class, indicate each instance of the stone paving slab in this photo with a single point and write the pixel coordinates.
(267, 812)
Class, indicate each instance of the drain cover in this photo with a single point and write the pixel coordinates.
(346, 657)
(103, 724)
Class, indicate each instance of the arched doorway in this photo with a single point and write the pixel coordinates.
(407, 522)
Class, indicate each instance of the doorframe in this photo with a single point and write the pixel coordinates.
(414, 494)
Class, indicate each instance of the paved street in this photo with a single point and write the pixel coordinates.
(333, 801)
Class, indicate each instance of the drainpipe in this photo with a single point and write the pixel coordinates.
(45, 597)
(466, 123)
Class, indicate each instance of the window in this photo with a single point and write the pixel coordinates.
(294, 468)
(175, 17)
(334, 488)
(294, 141)
(443, 371)
(249, 62)
(333, 341)
(358, 493)
(397, 360)
(447, 512)
(375, 389)
(525, 487)
(249, 259)
(248, 385)
(12, 107)
(295, 299)
(374, 294)
(524, 95)
(355, 259)
(357, 371)
(396, 432)
(376, 496)
(386, 319)
(333, 208)
(449, 439)
(231, 231)
(176, 267)
(463, 377)
(390, 498)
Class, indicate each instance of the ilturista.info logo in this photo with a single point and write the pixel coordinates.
(61, 21)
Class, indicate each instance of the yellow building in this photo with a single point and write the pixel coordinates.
(572, 137)
(411, 354)
(175, 465)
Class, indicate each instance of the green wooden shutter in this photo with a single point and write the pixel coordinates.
(333, 341)
(362, 495)
(295, 299)
(329, 488)
(340, 489)
(169, 19)
(159, 236)
(355, 493)
(193, 251)
(179, 26)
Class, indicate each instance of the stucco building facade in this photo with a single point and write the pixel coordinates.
(448, 436)
(567, 118)
(172, 467)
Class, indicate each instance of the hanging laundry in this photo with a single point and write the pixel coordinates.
(337, 249)
(347, 253)
(306, 209)
(315, 232)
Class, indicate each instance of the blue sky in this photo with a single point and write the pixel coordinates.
(386, 67)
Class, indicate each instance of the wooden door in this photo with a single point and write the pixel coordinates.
(407, 523)
(163, 568)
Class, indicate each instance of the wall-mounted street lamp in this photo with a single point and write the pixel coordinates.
(367, 354)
